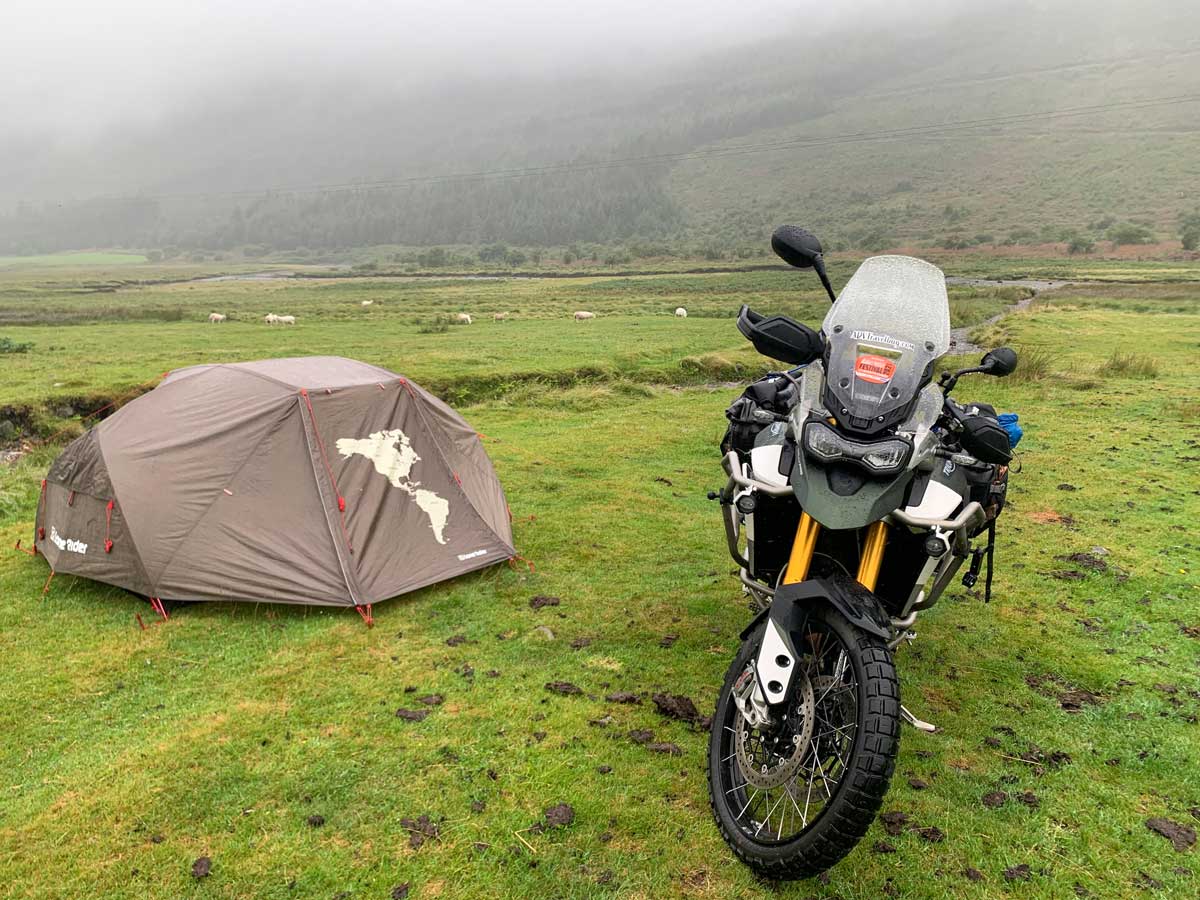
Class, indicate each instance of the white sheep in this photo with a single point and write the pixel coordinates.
(500, 316)
(271, 319)
(215, 318)
(583, 316)
(367, 303)
(287, 320)
(462, 319)
(680, 312)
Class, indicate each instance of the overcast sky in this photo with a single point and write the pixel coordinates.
(78, 64)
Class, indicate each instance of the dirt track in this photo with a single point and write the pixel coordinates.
(960, 340)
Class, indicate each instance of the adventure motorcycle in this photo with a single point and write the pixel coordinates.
(856, 486)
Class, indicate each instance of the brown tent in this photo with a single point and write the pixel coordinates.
(317, 480)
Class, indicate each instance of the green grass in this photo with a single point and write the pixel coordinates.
(129, 753)
(54, 260)
(90, 347)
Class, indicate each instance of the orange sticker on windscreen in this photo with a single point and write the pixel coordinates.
(875, 369)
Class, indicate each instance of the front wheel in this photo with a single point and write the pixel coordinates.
(793, 798)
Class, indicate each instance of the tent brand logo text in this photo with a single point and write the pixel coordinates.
(65, 544)
(462, 557)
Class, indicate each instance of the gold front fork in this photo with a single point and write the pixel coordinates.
(802, 549)
(872, 556)
(806, 541)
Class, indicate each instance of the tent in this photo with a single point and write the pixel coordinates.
(316, 480)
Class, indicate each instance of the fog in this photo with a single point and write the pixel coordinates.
(78, 66)
(157, 100)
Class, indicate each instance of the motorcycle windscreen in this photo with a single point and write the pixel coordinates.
(891, 320)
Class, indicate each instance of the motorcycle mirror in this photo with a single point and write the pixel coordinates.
(999, 362)
(799, 247)
(796, 246)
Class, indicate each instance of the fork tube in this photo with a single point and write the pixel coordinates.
(802, 549)
(872, 555)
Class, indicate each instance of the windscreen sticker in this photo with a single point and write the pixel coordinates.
(887, 340)
(873, 368)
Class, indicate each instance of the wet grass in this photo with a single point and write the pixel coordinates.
(266, 740)
(1130, 365)
(125, 339)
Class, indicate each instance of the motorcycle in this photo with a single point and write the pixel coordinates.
(857, 488)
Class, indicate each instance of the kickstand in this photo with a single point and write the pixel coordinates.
(915, 722)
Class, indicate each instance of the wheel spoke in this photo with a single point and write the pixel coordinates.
(748, 802)
(793, 768)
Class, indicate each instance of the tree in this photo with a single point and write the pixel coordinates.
(1080, 244)
(1189, 230)
(1129, 233)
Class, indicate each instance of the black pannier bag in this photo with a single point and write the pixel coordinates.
(989, 488)
(763, 402)
(989, 484)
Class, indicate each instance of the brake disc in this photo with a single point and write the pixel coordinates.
(768, 760)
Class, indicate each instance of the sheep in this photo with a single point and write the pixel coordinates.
(367, 303)
(500, 316)
(462, 319)
(287, 320)
(583, 316)
(271, 319)
(680, 312)
(216, 318)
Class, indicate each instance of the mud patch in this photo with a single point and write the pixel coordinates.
(420, 830)
(563, 687)
(1069, 697)
(665, 747)
(675, 706)
(1093, 560)
(1018, 873)
(1182, 837)
(894, 822)
(1050, 517)
(560, 815)
(201, 868)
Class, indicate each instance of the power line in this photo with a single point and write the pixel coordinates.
(711, 153)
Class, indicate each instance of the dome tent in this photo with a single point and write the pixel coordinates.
(316, 480)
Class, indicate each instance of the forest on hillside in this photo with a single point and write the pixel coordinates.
(850, 132)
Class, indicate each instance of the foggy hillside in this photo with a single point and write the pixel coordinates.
(718, 133)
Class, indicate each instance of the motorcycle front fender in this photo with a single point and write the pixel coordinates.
(785, 620)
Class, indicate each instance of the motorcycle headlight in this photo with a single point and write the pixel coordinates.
(824, 442)
(886, 456)
(883, 457)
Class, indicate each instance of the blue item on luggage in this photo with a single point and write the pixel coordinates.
(1008, 421)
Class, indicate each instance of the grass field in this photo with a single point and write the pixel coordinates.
(55, 260)
(266, 740)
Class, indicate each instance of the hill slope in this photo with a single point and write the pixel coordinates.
(196, 179)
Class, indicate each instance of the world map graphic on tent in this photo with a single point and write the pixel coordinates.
(395, 463)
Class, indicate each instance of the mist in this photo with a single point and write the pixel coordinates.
(77, 67)
(186, 109)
